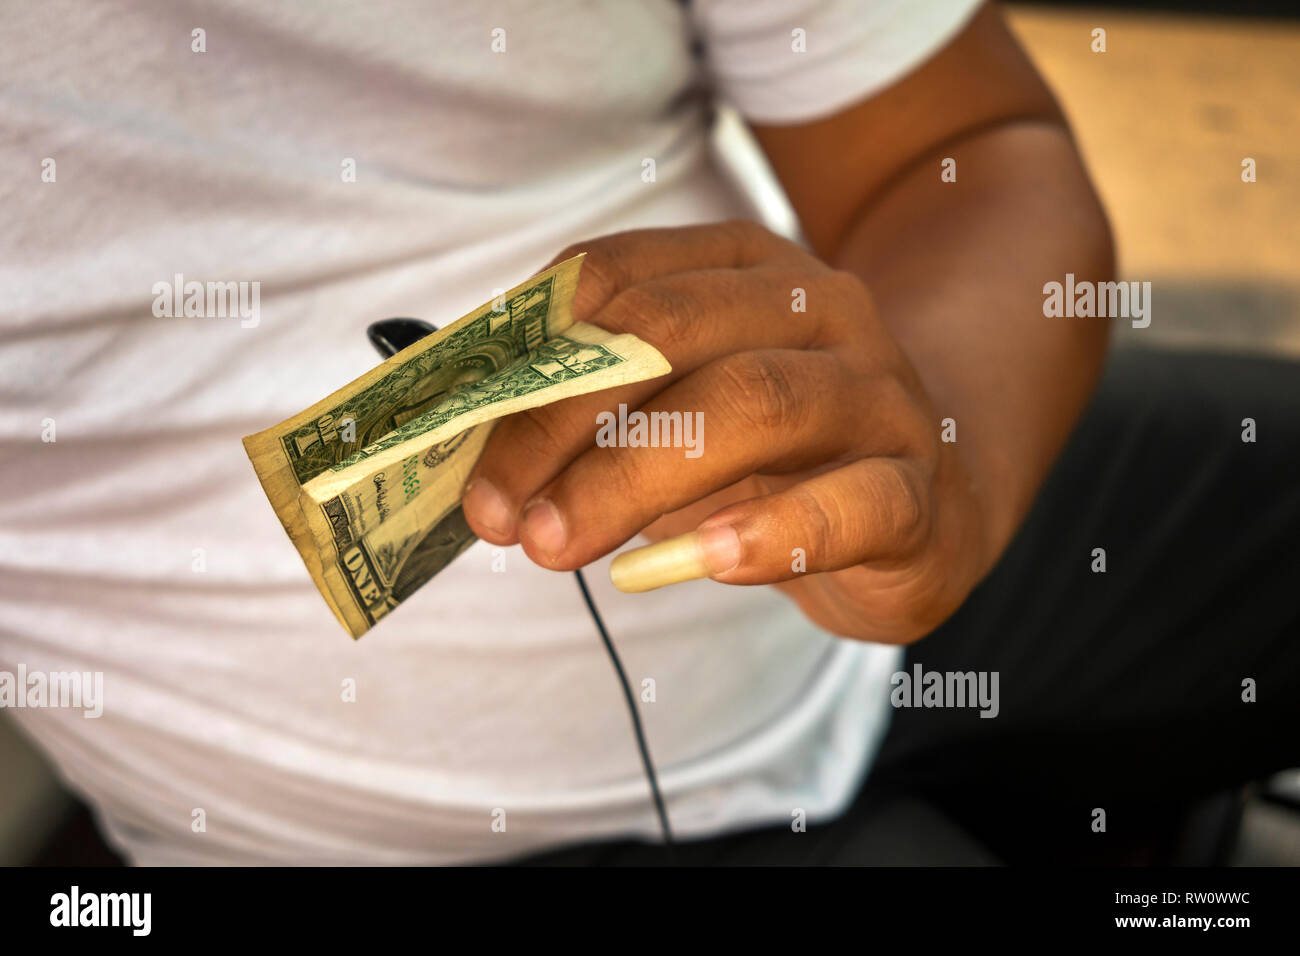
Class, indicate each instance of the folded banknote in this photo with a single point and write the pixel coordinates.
(368, 481)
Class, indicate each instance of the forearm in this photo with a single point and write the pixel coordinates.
(957, 271)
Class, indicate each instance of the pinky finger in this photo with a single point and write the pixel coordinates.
(870, 511)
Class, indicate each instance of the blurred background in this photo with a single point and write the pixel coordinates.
(1183, 94)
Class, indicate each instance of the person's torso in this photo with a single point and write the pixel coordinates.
(354, 163)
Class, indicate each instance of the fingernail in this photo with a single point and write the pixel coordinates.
(488, 507)
(696, 554)
(721, 548)
(545, 527)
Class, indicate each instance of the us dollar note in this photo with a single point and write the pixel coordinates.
(368, 481)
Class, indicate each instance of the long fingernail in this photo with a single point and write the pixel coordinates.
(489, 507)
(696, 554)
(545, 527)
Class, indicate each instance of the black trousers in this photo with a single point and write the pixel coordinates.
(1172, 675)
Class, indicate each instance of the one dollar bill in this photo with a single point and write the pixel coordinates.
(368, 481)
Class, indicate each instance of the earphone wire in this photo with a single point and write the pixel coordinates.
(648, 763)
(390, 336)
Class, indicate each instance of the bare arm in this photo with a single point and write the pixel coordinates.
(957, 268)
(924, 303)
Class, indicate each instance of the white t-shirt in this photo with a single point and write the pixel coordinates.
(139, 544)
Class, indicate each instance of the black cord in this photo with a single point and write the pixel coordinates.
(655, 793)
(390, 336)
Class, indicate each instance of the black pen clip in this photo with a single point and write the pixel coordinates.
(390, 336)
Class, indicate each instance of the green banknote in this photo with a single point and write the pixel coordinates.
(368, 481)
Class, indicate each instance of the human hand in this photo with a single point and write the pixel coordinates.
(822, 471)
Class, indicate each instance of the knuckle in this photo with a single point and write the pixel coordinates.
(747, 229)
(846, 309)
(901, 426)
(817, 526)
(626, 475)
(750, 235)
(760, 389)
(901, 508)
(848, 295)
(654, 312)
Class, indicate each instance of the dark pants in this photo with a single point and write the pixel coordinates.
(1120, 691)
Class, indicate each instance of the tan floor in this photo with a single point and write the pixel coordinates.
(1165, 118)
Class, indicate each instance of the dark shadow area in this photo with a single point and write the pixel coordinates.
(76, 841)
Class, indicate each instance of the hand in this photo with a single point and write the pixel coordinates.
(818, 438)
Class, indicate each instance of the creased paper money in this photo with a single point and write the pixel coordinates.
(368, 481)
